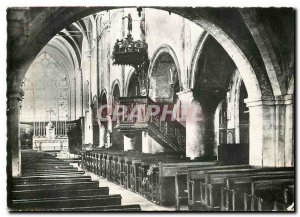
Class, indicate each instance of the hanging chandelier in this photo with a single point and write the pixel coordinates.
(128, 51)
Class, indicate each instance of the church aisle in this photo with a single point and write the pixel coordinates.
(129, 197)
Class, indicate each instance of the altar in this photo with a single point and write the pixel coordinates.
(58, 144)
(50, 140)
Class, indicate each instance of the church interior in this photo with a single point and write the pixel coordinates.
(182, 108)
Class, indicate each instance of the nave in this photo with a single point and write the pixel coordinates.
(186, 108)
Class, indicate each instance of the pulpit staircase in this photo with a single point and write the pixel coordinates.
(167, 132)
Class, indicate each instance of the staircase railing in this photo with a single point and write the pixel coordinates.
(135, 113)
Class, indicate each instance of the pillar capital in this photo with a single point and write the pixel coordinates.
(269, 100)
(284, 99)
(186, 95)
(15, 93)
(265, 100)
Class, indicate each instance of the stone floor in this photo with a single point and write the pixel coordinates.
(129, 197)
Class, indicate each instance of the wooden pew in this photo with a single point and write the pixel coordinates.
(54, 173)
(182, 181)
(166, 173)
(36, 167)
(119, 167)
(87, 164)
(147, 178)
(250, 186)
(38, 180)
(50, 170)
(212, 179)
(195, 174)
(215, 179)
(70, 186)
(54, 203)
(138, 163)
(54, 193)
(110, 208)
(53, 187)
(128, 168)
(119, 170)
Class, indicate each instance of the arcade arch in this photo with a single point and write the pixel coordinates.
(25, 49)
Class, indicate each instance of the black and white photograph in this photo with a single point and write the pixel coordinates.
(150, 108)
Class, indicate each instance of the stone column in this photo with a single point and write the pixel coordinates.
(102, 135)
(267, 131)
(109, 131)
(129, 143)
(280, 126)
(261, 132)
(145, 143)
(195, 146)
(271, 131)
(88, 127)
(289, 151)
(149, 144)
(14, 99)
(210, 147)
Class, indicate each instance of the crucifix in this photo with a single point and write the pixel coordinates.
(50, 111)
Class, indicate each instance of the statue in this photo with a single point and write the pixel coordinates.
(50, 131)
(129, 27)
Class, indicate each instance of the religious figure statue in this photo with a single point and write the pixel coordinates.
(129, 27)
(50, 131)
(129, 23)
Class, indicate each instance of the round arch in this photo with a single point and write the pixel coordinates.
(23, 50)
(156, 55)
(130, 76)
(213, 25)
(103, 97)
(103, 123)
(94, 100)
(195, 58)
(267, 51)
(239, 58)
(117, 138)
(115, 84)
(102, 101)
